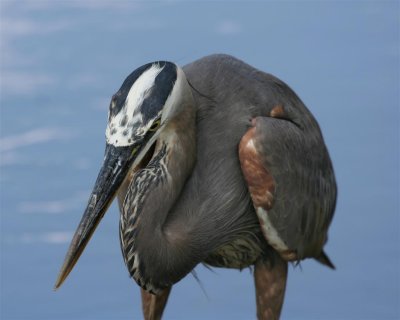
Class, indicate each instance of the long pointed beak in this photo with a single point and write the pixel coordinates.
(113, 172)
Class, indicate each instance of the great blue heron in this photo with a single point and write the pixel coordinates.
(215, 163)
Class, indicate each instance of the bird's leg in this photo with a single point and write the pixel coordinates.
(270, 282)
(153, 305)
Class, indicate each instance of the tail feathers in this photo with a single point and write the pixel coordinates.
(324, 259)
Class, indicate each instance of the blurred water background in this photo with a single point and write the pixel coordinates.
(62, 60)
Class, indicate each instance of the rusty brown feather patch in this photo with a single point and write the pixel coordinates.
(277, 111)
(261, 186)
(260, 182)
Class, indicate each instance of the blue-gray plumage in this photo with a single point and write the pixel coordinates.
(215, 163)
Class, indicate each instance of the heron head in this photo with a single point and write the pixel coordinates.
(149, 97)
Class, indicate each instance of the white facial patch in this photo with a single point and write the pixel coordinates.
(120, 128)
(142, 88)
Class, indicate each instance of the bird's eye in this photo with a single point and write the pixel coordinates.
(134, 151)
(155, 125)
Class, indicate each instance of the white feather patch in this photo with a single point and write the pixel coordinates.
(141, 88)
(120, 135)
(270, 232)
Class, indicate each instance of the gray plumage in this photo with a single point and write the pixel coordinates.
(214, 207)
(226, 167)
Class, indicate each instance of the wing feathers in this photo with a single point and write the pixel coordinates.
(291, 183)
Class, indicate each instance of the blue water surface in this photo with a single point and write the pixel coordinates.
(62, 60)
